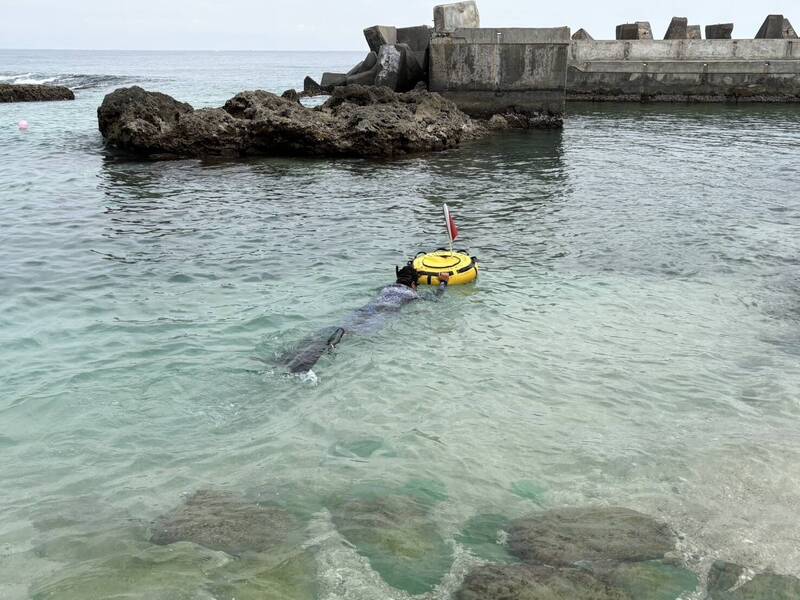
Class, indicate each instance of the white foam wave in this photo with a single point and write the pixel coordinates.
(13, 78)
(31, 80)
(75, 81)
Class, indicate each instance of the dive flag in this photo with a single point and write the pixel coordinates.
(450, 223)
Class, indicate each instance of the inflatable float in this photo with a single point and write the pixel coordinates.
(462, 267)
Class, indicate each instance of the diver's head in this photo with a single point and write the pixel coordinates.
(407, 276)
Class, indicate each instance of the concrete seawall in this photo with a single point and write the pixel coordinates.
(487, 71)
(762, 70)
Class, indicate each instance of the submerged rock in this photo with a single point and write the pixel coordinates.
(723, 576)
(483, 534)
(723, 584)
(226, 522)
(292, 577)
(34, 93)
(570, 535)
(180, 572)
(652, 580)
(355, 121)
(525, 582)
(396, 535)
(765, 586)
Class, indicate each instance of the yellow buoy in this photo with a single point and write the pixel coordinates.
(462, 267)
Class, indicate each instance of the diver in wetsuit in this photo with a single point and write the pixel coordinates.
(367, 319)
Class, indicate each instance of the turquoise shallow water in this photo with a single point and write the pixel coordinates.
(633, 338)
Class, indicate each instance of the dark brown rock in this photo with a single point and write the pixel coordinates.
(291, 95)
(223, 521)
(524, 582)
(570, 535)
(312, 88)
(34, 93)
(355, 121)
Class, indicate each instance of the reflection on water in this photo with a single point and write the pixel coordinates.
(632, 340)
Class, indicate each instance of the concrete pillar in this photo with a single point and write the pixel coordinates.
(645, 31)
(419, 40)
(677, 29)
(449, 17)
(640, 30)
(380, 35)
(772, 28)
(720, 31)
(788, 31)
(627, 31)
(581, 34)
(693, 32)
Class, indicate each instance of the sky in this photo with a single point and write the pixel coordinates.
(328, 24)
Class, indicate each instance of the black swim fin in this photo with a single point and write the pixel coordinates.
(311, 350)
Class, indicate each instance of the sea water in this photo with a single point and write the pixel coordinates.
(633, 338)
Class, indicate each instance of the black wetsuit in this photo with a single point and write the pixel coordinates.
(365, 320)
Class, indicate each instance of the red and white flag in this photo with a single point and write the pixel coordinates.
(450, 223)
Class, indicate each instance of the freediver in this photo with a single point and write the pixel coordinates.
(367, 319)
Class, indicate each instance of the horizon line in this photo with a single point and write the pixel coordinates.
(162, 50)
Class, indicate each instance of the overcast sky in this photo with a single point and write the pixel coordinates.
(328, 24)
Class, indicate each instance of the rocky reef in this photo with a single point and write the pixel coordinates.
(356, 121)
(272, 545)
(226, 522)
(34, 93)
(604, 553)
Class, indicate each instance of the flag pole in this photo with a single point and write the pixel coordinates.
(447, 225)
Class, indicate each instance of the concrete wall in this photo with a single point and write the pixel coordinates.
(685, 70)
(486, 71)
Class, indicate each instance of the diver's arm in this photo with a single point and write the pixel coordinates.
(443, 279)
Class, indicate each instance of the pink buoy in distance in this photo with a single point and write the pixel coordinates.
(23, 125)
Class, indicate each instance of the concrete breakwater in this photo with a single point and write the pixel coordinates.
(694, 70)
(535, 71)
(518, 73)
